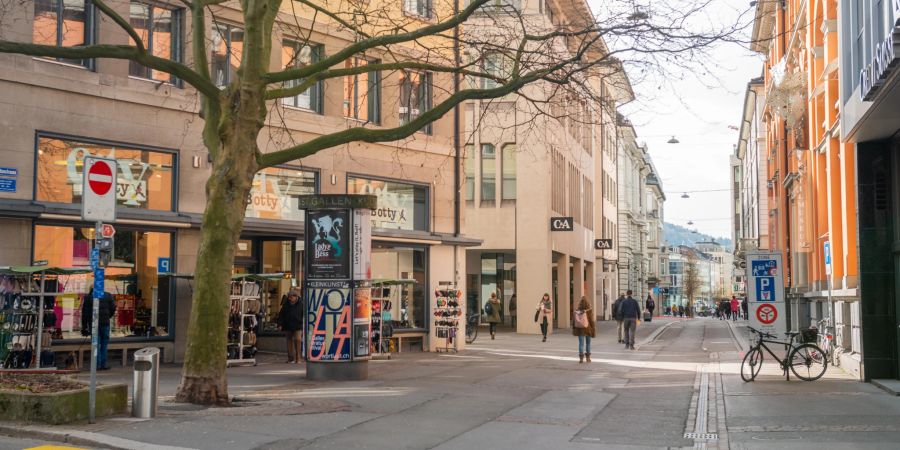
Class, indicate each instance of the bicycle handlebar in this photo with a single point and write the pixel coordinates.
(762, 333)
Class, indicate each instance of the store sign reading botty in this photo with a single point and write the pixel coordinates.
(131, 184)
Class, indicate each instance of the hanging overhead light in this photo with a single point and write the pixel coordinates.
(690, 222)
(673, 141)
(685, 195)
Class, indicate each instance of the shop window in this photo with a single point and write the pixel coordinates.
(275, 190)
(277, 258)
(401, 206)
(415, 96)
(64, 23)
(392, 263)
(421, 8)
(160, 31)
(488, 173)
(295, 55)
(145, 178)
(362, 93)
(508, 187)
(470, 172)
(227, 49)
(142, 297)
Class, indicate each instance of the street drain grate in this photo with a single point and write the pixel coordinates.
(702, 436)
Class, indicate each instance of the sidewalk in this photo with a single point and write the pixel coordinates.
(275, 405)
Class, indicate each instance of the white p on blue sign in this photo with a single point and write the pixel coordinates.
(163, 265)
(765, 289)
(826, 250)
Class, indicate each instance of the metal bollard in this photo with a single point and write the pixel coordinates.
(146, 383)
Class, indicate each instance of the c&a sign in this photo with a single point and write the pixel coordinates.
(562, 224)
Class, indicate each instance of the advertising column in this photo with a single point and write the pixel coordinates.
(337, 285)
(765, 292)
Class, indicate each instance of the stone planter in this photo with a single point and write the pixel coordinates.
(62, 407)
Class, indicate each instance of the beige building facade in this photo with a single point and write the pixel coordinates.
(54, 113)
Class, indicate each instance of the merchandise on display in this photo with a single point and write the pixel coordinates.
(243, 322)
(447, 312)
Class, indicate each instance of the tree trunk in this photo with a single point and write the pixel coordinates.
(203, 377)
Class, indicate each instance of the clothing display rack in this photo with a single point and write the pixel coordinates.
(447, 312)
(386, 295)
(243, 321)
(26, 310)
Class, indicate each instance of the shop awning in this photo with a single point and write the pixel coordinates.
(386, 282)
(258, 276)
(49, 270)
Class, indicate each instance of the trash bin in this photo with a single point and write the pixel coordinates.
(146, 383)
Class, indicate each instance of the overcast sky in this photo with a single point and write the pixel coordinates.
(702, 115)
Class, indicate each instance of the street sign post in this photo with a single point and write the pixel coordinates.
(765, 296)
(98, 203)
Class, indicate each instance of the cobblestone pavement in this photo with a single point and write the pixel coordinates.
(680, 389)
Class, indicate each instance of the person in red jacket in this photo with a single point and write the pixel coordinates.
(735, 308)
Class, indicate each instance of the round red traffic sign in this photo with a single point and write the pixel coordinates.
(766, 314)
(100, 177)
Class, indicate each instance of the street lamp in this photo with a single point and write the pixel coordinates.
(673, 141)
(685, 195)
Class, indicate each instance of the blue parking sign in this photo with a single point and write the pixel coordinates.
(765, 289)
(163, 265)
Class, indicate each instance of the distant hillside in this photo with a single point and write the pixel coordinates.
(679, 235)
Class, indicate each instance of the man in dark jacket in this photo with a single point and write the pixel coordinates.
(290, 319)
(630, 311)
(618, 317)
(107, 311)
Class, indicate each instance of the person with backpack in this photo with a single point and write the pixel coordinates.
(492, 313)
(630, 312)
(650, 305)
(584, 327)
(618, 317)
(107, 312)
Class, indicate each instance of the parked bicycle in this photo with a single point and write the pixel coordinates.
(802, 356)
(826, 342)
(471, 328)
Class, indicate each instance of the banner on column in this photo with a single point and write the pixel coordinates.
(327, 240)
(362, 244)
(328, 320)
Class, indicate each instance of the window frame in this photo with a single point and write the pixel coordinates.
(470, 173)
(373, 97)
(317, 185)
(178, 15)
(425, 92)
(317, 91)
(509, 147)
(488, 180)
(90, 33)
(176, 173)
(229, 53)
(425, 186)
(412, 8)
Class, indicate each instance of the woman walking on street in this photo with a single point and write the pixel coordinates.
(544, 308)
(735, 307)
(584, 327)
(290, 319)
(492, 311)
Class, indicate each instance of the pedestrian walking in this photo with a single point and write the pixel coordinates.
(618, 317)
(734, 308)
(630, 312)
(584, 326)
(542, 315)
(513, 307)
(290, 320)
(745, 307)
(674, 310)
(492, 313)
(107, 310)
(650, 304)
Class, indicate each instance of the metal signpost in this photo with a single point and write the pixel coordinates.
(765, 292)
(826, 250)
(98, 203)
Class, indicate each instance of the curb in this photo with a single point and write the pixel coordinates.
(738, 337)
(653, 336)
(84, 438)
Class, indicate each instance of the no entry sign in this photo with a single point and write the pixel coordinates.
(766, 314)
(98, 202)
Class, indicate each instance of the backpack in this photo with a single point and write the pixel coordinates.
(488, 308)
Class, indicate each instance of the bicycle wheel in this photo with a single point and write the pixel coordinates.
(752, 364)
(808, 362)
(471, 333)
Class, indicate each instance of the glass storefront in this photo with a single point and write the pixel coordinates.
(145, 178)
(275, 190)
(498, 275)
(394, 262)
(401, 206)
(270, 256)
(143, 298)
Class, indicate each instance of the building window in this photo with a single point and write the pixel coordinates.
(497, 65)
(160, 31)
(143, 301)
(401, 206)
(145, 178)
(275, 190)
(64, 23)
(227, 50)
(508, 166)
(295, 55)
(421, 8)
(415, 96)
(588, 200)
(470, 172)
(488, 173)
(362, 93)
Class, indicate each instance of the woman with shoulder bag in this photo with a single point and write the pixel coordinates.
(584, 328)
(492, 311)
(542, 315)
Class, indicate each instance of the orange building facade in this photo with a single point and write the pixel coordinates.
(810, 174)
